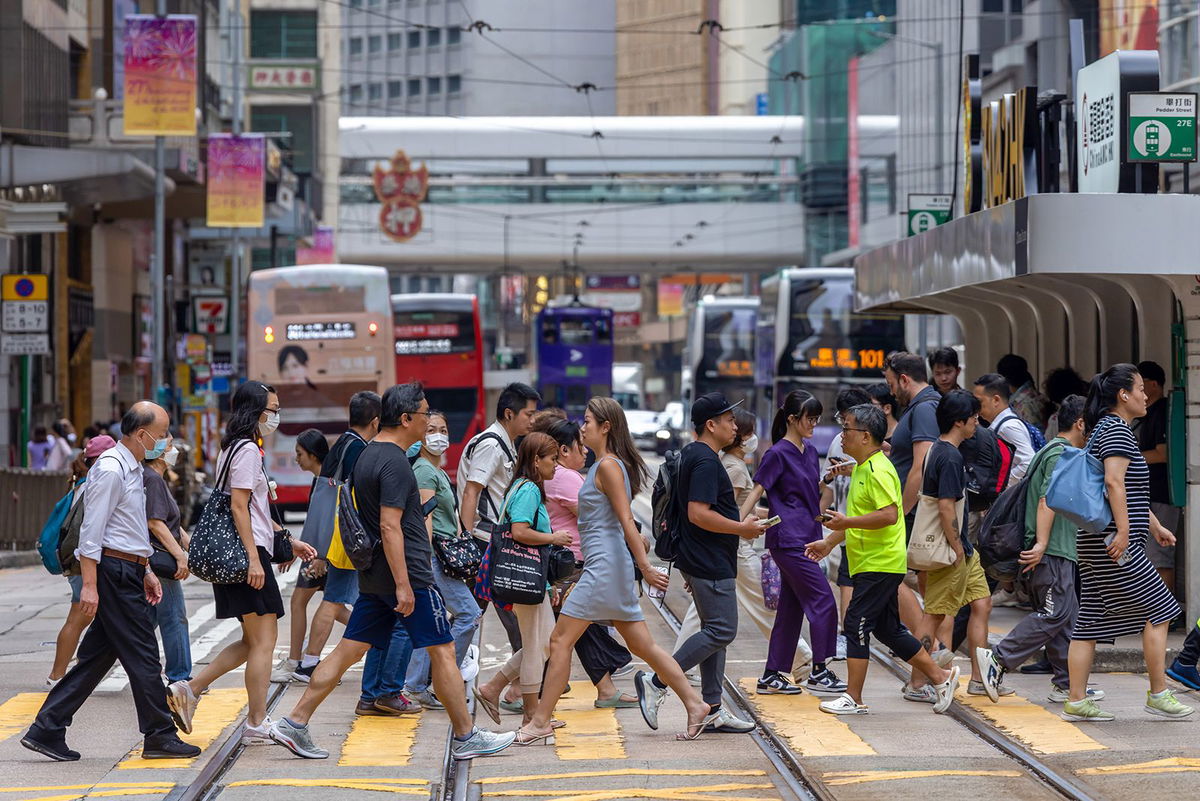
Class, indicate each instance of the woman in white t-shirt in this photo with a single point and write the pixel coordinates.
(254, 412)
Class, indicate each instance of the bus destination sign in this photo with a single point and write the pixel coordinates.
(314, 331)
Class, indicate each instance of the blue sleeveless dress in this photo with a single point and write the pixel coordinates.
(606, 590)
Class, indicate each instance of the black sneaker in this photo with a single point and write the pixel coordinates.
(774, 683)
(57, 751)
(304, 674)
(825, 683)
(1041, 667)
(173, 748)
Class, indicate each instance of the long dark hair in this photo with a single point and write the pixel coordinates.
(798, 403)
(248, 404)
(1102, 392)
(313, 441)
(620, 443)
(533, 446)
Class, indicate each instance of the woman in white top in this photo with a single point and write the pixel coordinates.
(254, 412)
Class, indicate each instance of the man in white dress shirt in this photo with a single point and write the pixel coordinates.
(118, 588)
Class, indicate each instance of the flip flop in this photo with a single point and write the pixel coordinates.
(488, 706)
(618, 701)
(516, 707)
(529, 738)
(700, 727)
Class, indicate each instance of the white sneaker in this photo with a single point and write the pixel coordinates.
(693, 679)
(945, 691)
(650, 698)
(470, 664)
(1005, 598)
(729, 723)
(182, 703)
(51, 682)
(840, 656)
(1060, 695)
(481, 743)
(282, 674)
(257, 735)
(943, 657)
(844, 705)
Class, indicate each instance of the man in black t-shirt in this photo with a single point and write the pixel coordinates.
(1151, 432)
(708, 543)
(398, 586)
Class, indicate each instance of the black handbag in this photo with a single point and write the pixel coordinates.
(561, 565)
(518, 572)
(163, 564)
(281, 541)
(359, 544)
(216, 553)
(459, 556)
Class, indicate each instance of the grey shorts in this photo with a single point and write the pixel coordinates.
(1163, 556)
(76, 583)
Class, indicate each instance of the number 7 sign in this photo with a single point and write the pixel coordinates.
(210, 314)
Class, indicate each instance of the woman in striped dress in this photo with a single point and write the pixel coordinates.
(1120, 590)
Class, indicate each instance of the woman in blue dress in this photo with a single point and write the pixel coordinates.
(607, 590)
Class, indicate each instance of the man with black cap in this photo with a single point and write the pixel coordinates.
(710, 531)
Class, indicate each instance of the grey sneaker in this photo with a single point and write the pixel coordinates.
(1060, 695)
(481, 743)
(282, 674)
(296, 739)
(650, 697)
(729, 723)
(945, 691)
(182, 702)
(425, 698)
(921, 695)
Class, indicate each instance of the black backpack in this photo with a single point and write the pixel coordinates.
(666, 522)
(1002, 534)
(988, 460)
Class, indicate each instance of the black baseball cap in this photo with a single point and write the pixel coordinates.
(710, 405)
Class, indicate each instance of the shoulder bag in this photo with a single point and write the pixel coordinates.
(928, 548)
(459, 556)
(518, 572)
(1076, 489)
(216, 553)
(358, 544)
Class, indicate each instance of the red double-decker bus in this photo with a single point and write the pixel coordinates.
(439, 343)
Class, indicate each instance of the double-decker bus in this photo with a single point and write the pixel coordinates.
(439, 342)
(820, 343)
(318, 334)
(719, 352)
(574, 355)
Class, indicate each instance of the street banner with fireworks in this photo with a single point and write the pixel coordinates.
(400, 189)
(322, 250)
(236, 180)
(160, 75)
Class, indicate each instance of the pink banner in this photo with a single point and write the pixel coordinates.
(160, 75)
(322, 250)
(236, 167)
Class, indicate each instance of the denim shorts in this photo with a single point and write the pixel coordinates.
(341, 585)
(76, 583)
(374, 617)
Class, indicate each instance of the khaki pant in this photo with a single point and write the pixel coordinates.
(526, 665)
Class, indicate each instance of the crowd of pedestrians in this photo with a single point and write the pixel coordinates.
(898, 517)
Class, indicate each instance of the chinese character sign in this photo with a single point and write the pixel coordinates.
(322, 250)
(285, 77)
(400, 189)
(236, 180)
(160, 75)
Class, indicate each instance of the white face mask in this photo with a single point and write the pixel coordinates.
(437, 443)
(171, 456)
(751, 444)
(271, 423)
(71, 438)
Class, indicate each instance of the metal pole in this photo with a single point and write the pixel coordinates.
(157, 267)
(235, 280)
(940, 111)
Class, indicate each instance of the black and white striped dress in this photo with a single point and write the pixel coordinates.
(1119, 599)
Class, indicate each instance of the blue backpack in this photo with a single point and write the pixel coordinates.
(47, 545)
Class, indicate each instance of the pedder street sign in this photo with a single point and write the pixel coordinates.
(928, 211)
(1162, 126)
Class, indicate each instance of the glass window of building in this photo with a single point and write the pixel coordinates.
(453, 36)
(414, 87)
(374, 91)
(395, 41)
(395, 89)
(454, 84)
(356, 3)
(356, 93)
(283, 34)
(300, 122)
(414, 39)
(435, 86)
(374, 44)
(433, 38)
(356, 45)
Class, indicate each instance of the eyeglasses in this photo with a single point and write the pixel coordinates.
(847, 428)
(427, 414)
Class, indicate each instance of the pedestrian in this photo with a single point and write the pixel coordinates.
(40, 445)
(63, 444)
(1120, 591)
(962, 583)
(750, 597)
(944, 368)
(162, 515)
(443, 523)
(607, 590)
(485, 472)
(253, 413)
(311, 450)
(710, 531)
(1048, 563)
(916, 428)
(77, 620)
(835, 487)
(1028, 404)
(1151, 432)
(524, 507)
(600, 655)
(996, 409)
(398, 586)
(341, 580)
(882, 397)
(118, 589)
(1183, 669)
(1060, 383)
(872, 529)
(790, 474)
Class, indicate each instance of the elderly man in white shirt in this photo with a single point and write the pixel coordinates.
(118, 588)
(993, 392)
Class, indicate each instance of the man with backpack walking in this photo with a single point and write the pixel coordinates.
(1048, 562)
(994, 393)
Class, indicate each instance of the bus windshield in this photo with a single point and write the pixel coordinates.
(825, 336)
(728, 344)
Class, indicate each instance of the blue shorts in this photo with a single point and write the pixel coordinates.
(374, 617)
(341, 585)
(76, 583)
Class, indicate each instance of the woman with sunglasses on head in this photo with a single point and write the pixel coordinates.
(790, 475)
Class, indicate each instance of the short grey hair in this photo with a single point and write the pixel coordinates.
(400, 400)
(871, 418)
(140, 415)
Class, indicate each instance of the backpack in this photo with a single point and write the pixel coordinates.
(988, 461)
(1036, 437)
(484, 495)
(665, 512)
(68, 539)
(47, 544)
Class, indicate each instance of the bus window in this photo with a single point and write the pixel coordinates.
(459, 405)
(575, 332)
(549, 331)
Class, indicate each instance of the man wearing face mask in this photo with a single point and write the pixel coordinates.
(168, 536)
(120, 590)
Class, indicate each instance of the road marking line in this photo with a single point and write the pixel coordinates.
(590, 733)
(18, 712)
(216, 711)
(808, 730)
(1032, 724)
(164, 786)
(380, 742)
(590, 774)
(839, 777)
(700, 792)
(1168, 765)
(420, 787)
(100, 794)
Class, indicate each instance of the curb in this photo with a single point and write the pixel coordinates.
(19, 559)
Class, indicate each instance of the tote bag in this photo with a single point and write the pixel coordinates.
(518, 572)
(216, 553)
(1076, 489)
(928, 548)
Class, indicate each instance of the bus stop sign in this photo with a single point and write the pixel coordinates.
(927, 211)
(1162, 127)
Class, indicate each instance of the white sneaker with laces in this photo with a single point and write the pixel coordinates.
(945, 691)
(282, 674)
(1060, 695)
(844, 705)
(840, 656)
(729, 723)
(650, 697)
(257, 735)
(481, 743)
(470, 664)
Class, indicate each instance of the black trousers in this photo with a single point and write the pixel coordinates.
(123, 630)
(1190, 652)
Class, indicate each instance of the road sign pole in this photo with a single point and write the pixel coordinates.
(26, 406)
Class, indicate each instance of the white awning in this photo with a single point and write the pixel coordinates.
(83, 175)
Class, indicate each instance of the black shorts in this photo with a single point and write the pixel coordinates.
(237, 600)
(843, 576)
(303, 582)
(875, 610)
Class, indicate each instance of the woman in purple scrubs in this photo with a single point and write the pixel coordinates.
(790, 476)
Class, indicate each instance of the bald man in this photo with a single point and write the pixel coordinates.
(119, 589)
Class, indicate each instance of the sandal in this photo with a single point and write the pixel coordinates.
(618, 701)
(529, 738)
(699, 727)
(555, 723)
(489, 706)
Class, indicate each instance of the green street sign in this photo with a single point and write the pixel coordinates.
(1162, 127)
(928, 211)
